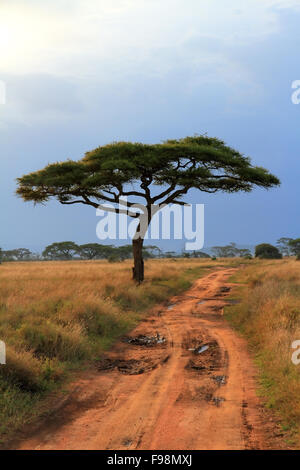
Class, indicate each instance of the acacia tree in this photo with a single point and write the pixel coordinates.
(295, 246)
(283, 245)
(228, 251)
(156, 174)
(94, 250)
(61, 250)
(18, 254)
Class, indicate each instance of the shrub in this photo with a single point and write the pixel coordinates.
(24, 371)
(267, 251)
(53, 341)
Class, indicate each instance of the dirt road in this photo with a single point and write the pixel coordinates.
(192, 386)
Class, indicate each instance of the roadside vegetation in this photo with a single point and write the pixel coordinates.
(57, 317)
(269, 317)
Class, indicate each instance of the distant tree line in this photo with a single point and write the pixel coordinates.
(69, 250)
(289, 246)
(230, 251)
(18, 254)
(284, 247)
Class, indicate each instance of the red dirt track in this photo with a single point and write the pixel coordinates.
(165, 396)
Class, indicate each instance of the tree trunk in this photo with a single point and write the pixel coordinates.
(138, 268)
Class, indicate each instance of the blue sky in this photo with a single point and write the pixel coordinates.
(83, 73)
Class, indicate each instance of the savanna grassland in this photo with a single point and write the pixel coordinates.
(268, 315)
(56, 317)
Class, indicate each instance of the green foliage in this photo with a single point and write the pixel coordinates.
(124, 252)
(94, 251)
(193, 162)
(199, 254)
(18, 254)
(295, 246)
(231, 251)
(152, 251)
(103, 174)
(283, 245)
(228, 251)
(170, 254)
(53, 341)
(267, 251)
(195, 254)
(244, 253)
(132, 170)
(60, 250)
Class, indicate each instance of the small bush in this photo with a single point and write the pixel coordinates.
(23, 370)
(267, 251)
(53, 341)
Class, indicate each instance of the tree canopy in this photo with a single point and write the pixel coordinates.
(283, 245)
(60, 250)
(230, 251)
(136, 170)
(18, 254)
(102, 174)
(295, 246)
(267, 251)
(94, 250)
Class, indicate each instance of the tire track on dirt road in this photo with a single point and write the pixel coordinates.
(168, 396)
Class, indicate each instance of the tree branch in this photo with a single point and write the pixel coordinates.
(177, 193)
(104, 208)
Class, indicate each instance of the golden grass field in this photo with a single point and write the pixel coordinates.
(269, 316)
(56, 317)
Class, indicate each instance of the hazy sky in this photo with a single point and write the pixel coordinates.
(82, 73)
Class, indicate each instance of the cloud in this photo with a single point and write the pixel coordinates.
(75, 37)
(286, 4)
(60, 55)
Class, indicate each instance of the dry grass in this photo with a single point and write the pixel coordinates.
(57, 316)
(269, 316)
